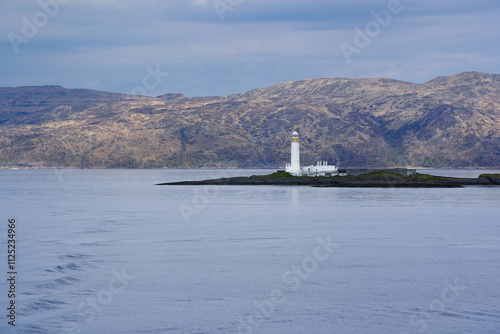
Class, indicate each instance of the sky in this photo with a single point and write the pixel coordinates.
(222, 47)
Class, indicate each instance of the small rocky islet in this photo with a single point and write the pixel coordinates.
(380, 179)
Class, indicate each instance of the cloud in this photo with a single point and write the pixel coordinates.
(109, 43)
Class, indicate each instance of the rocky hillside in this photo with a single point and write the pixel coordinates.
(450, 121)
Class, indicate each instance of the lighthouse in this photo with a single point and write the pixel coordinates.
(294, 166)
(322, 168)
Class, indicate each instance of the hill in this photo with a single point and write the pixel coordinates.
(450, 121)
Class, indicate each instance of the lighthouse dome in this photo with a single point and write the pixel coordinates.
(295, 134)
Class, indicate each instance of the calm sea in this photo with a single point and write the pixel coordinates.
(107, 251)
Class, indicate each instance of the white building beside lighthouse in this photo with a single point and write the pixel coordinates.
(321, 169)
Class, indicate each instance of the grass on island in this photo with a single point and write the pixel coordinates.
(381, 175)
(418, 177)
(275, 175)
(377, 175)
(493, 176)
(279, 175)
(426, 177)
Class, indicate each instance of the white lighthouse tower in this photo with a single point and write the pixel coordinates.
(322, 168)
(294, 166)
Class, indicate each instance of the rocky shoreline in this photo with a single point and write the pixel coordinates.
(372, 180)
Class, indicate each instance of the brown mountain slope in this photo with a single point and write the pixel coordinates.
(448, 122)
